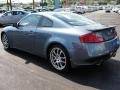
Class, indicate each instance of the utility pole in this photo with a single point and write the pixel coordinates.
(33, 4)
(7, 5)
(42, 3)
(10, 5)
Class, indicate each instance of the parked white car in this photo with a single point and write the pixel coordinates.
(108, 9)
(115, 9)
(80, 9)
(118, 11)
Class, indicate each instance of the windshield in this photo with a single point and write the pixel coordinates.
(74, 19)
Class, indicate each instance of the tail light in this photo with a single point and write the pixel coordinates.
(91, 38)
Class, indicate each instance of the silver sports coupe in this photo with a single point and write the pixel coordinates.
(65, 39)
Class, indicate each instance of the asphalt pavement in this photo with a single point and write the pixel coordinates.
(23, 71)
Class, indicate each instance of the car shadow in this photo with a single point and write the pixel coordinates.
(106, 77)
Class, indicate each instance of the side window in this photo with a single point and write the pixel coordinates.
(46, 22)
(21, 13)
(31, 20)
(15, 13)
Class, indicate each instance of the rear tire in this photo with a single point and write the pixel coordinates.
(59, 58)
(5, 42)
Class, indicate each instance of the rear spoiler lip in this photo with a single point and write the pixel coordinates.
(108, 27)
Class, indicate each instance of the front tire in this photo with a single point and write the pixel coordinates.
(5, 42)
(59, 58)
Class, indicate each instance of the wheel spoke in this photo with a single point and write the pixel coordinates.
(62, 61)
(60, 53)
(63, 58)
(54, 53)
(60, 64)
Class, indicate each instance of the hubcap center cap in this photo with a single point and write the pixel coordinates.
(58, 59)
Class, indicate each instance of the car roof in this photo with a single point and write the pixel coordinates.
(52, 13)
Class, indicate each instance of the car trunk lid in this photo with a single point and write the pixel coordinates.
(106, 33)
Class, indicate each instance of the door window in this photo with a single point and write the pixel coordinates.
(31, 20)
(15, 12)
(45, 22)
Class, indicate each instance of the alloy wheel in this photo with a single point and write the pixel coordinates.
(5, 41)
(58, 58)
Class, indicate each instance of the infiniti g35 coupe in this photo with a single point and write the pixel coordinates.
(65, 39)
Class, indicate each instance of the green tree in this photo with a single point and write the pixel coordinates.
(118, 1)
(62, 2)
(44, 4)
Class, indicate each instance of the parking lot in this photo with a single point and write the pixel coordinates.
(23, 71)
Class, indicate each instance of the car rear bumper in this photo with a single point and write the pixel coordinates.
(89, 54)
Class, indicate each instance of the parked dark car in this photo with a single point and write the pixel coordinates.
(2, 11)
(65, 39)
(43, 10)
(31, 11)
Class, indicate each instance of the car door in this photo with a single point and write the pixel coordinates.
(42, 34)
(24, 36)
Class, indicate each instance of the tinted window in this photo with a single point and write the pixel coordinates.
(2, 11)
(21, 13)
(18, 13)
(31, 20)
(74, 19)
(15, 13)
(46, 22)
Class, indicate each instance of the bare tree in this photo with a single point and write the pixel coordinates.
(33, 4)
(10, 5)
(7, 5)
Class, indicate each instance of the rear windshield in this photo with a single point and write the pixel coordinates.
(74, 19)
